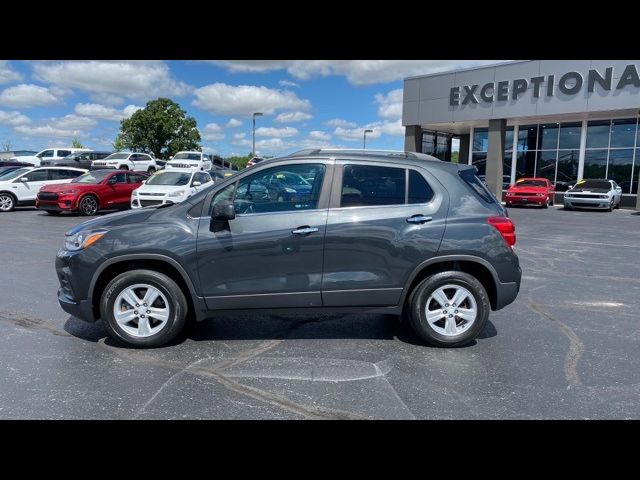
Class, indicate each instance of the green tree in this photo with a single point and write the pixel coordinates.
(161, 128)
(118, 143)
(76, 143)
(240, 162)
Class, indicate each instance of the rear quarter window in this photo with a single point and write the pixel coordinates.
(474, 183)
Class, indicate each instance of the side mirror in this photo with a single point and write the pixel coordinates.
(112, 181)
(223, 211)
(24, 179)
(196, 184)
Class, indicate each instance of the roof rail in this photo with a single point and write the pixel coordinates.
(352, 151)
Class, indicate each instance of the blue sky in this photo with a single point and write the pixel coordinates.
(307, 103)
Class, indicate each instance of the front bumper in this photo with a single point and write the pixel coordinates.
(60, 206)
(139, 202)
(525, 200)
(586, 202)
(74, 275)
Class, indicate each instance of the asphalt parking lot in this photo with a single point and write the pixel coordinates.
(567, 348)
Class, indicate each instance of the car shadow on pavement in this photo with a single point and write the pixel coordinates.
(282, 327)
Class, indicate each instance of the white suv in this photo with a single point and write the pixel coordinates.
(140, 162)
(21, 186)
(196, 160)
(49, 154)
(170, 186)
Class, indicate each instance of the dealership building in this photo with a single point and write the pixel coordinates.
(564, 120)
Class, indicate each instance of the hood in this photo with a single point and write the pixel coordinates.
(160, 189)
(599, 191)
(527, 188)
(126, 217)
(60, 187)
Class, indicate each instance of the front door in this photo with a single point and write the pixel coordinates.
(270, 255)
(26, 191)
(383, 221)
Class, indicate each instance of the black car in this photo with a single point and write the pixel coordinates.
(78, 159)
(392, 233)
(14, 163)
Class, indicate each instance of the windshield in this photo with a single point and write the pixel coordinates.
(530, 183)
(187, 156)
(13, 174)
(117, 156)
(599, 184)
(92, 177)
(170, 178)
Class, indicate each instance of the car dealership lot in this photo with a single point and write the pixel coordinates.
(566, 348)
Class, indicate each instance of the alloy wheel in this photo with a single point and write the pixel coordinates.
(89, 206)
(451, 310)
(6, 203)
(141, 310)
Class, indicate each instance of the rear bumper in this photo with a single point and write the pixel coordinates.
(506, 293)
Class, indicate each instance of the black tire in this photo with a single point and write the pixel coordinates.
(88, 205)
(7, 202)
(552, 201)
(546, 203)
(151, 171)
(123, 167)
(420, 295)
(178, 308)
(611, 205)
(567, 207)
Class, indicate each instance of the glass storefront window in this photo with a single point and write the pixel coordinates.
(567, 169)
(620, 166)
(525, 164)
(623, 133)
(480, 139)
(598, 134)
(570, 135)
(508, 140)
(479, 160)
(546, 165)
(548, 136)
(595, 163)
(428, 140)
(527, 137)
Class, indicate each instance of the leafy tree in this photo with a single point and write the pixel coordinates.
(161, 128)
(455, 157)
(118, 143)
(76, 143)
(240, 162)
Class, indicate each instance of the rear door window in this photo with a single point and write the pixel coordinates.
(419, 189)
(367, 185)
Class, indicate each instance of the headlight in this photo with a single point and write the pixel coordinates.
(69, 192)
(135, 193)
(177, 193)
(82, 240)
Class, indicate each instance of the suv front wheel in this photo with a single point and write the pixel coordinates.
(143, 308)
(449, 309)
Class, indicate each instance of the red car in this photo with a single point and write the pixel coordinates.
(91, 192)
(531, 191)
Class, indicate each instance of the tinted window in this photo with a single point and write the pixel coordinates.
(37, 176)
(365, 185)
(98, 156)
(64, 153)
(119, 178)
(136, 178)
(46, 154)
(63, 174)
(419, 189)
(268, 190)
(476, 185)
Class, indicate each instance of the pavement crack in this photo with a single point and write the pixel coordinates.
(576, 347)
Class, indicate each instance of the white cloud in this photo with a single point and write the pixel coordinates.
(27, 95)
(291, 117)
(13, 118)
(357, 72)
(287, 83)
(112, 80)
(7, 74)
(220, 98)
(276, 132)
(319, 135)
(212, 131)
(339, 122)
(386, 127)
(239, 136)
(390, 105)
(96, 110)
(69, 126)
(234, 123)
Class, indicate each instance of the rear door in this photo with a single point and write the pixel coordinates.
(384, 220)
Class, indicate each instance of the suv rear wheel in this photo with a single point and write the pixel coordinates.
(449, 309)
(7, 202)
(143, 308)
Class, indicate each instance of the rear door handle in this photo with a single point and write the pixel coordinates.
(306, 230)
(419, 219)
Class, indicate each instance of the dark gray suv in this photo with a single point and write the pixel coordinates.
(319, 230)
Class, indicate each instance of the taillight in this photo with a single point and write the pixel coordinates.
(506, 228)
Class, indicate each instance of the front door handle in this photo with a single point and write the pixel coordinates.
(306, 230)
(420, 219)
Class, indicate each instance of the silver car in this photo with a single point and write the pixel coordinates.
(593, 193)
